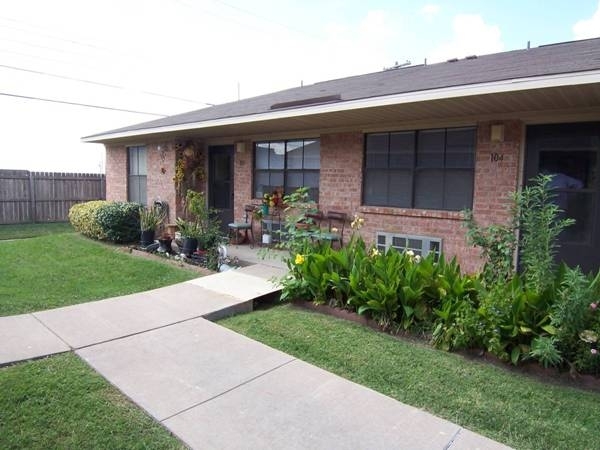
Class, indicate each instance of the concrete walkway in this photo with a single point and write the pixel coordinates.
(214, 388)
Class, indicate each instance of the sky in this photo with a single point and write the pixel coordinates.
(120, 62)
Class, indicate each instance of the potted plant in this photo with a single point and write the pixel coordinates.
(150, 218)
(164, 242)
(272, 200)
(189, 234)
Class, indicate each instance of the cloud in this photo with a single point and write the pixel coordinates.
(588, 28)
(430, 10)
(470, 36)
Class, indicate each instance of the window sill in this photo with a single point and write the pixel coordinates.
(407, 212)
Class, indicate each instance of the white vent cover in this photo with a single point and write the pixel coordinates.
(420, 245)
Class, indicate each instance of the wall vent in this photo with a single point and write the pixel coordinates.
(420, 245)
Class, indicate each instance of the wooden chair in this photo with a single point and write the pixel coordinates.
(336, 222)
(245, 226)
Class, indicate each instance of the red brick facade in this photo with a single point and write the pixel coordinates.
(497, 169)
(116, 172)
(160, 168)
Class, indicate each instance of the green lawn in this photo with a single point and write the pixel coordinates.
(60, 402)
(28, 230)
(514, 409)
(64, 269)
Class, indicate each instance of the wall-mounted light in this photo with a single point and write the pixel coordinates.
(188, 151)
(240, 147)
(497, 133)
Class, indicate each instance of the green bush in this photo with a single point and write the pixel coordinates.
(103, 220)
(396, 289)
(83, 218)
(120, 221)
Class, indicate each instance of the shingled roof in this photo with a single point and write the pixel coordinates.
(553, 59)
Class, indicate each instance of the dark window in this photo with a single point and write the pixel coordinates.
(287, 165)
(136, 183)
(426, 169)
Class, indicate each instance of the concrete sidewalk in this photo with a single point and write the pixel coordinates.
(214, 388)
(58, 330)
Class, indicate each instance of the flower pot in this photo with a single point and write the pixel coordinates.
(265, 210)
(165, 245)
(189, 246)
(267, 239)
(147, 238)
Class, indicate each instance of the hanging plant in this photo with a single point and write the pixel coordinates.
(179, 174)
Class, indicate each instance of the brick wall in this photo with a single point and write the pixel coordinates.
(341, 172)
(116, 172)
(242, 183)
(160, 167)
(160, 172)
(496, 171)
(341, 186)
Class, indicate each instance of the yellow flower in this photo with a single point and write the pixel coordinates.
(299, 259)
(357, 223)
(374, 252)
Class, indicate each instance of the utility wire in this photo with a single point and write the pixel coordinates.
(86, 105)
(98, 83)
(267, 19)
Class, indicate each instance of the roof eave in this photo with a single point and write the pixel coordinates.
(511, 85)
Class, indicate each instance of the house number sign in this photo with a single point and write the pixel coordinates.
(495, 157)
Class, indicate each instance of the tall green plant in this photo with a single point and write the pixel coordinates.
(497, 243)
(540, 224)
(297, 210)
(538, 221)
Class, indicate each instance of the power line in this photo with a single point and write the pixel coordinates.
(267, 19)
(86, 105)
(98, 83)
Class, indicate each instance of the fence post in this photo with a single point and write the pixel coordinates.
(32, 208)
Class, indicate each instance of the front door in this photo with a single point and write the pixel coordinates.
(571, 152)
(220, 178)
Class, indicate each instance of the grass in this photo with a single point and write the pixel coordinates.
(28, 230)
(64, 269)
(511, 408)
(60, 402)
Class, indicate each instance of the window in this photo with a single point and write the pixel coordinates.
(287, 164)
(427, 169)
(136, 183)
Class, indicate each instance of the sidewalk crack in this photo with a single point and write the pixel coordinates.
(452, 439)
(52, 331)
(248, 381)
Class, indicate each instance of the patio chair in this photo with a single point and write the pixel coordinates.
(245, 226)
(336, 222)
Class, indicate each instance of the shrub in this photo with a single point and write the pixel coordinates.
(540, 224)
(396, 289)
(120, 221)
(498, 244)
(83, 218)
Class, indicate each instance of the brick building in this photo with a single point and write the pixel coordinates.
(406, 148)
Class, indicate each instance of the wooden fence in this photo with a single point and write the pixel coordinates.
(27, 197)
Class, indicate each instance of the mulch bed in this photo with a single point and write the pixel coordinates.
(529, 368)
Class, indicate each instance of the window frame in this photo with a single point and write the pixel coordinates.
(140, 177)
(412, 166)
(286, 170)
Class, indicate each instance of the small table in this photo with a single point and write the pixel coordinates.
(271, 224)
